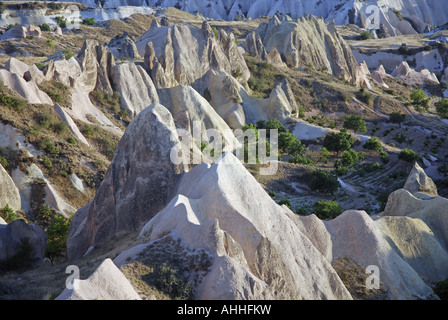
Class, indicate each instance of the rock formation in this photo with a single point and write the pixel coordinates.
(26, 240)
(123, 48)
(185, 98)
(237, 107)
(181, 54)
(256, 250)
(309, 41)
(140, 181)
(9, 194)
(137, 91)
(406, 73)
(27, 90)
(106, 283)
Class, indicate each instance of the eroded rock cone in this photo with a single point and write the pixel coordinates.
(140, 181)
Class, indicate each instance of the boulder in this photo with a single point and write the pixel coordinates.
(140, 181)
(106, 283)
(255, 249)
(9, 194)
(28, 241)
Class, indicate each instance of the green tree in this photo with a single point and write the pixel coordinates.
(327, 209)
(442, 108)
(349, 157)
(397, 117)
(373, 144)
(356, 123)
(338, 141)
(408, 155)
(419, 100)
(324, 182)
(57, 237)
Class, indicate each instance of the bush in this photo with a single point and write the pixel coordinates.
(365, 35)
(47, 163)
(349, 157)
(324, 182)
(286, 203)
(57, 237)
(373, 144)
(338, 141)
(442, 108)
(419, 100)
(326, 210)
(88, 21)
(397, 117)
(45, 27)
(16, 104)
(61, 21)
(408, 155)
(366, 97)
(8, 214)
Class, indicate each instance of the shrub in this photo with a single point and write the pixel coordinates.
(4, 163)
(338, 141)
(8, 214)
(16, 104)
(366, 97)
(57, 237)
(397, 117)
(45, 27)
(324, 182)
(88, 21)
(408, 155)
(349, 157)
(47, 163)
(49, 147)
(356, 123)
(373, 144)
(442, 108)
(419, 100)
(327, 209)
(301, 160)
(50, 43)
(72, 141)
(286, 203)
(365, 35)
(61, 21)
(215, 32)
(68, 53)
